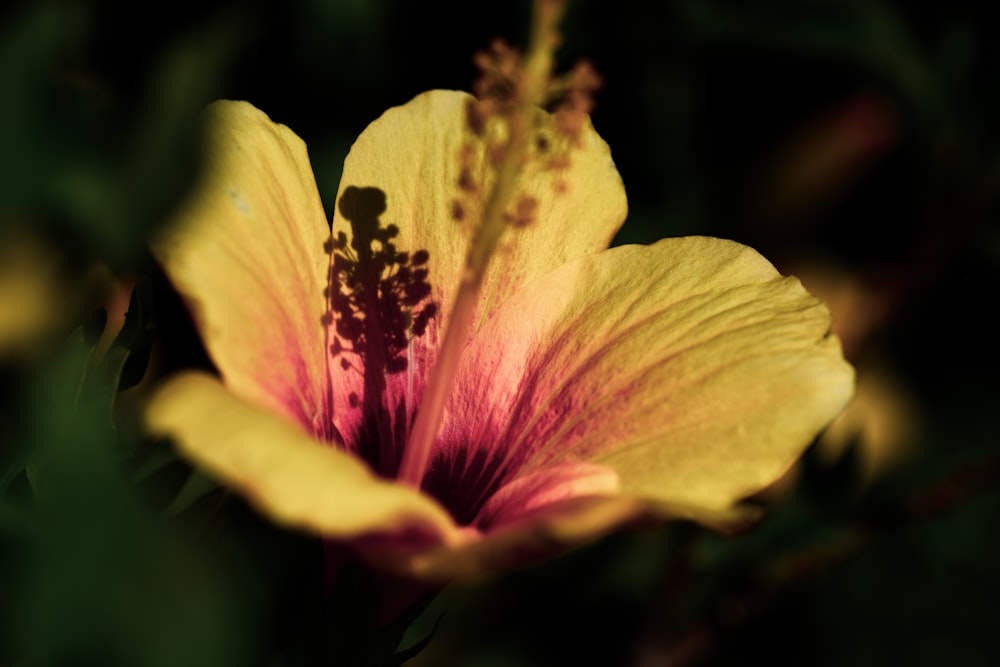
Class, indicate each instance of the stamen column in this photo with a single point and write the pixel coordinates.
(531, 83)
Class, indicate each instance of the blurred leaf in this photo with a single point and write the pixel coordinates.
(155, 459)
(93, 327)
(406, 654)
(196, 487)
(130, 350)
(82, 162)
(102, 581)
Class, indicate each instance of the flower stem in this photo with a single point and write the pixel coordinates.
(532, 81)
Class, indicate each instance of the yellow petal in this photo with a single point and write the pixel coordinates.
(247, 255)
(690, 368)
(288, 476)
(412, 152)
(544, 533)
(533, 538)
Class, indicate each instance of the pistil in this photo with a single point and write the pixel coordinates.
(531, 83)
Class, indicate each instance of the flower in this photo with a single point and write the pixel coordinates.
(596, 388)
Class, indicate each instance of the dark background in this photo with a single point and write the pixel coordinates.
(853, 142)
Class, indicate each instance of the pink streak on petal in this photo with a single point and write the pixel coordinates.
(290, 389)
(475, 454)
(526, 494)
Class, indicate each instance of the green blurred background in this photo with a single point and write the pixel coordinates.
(853, 142)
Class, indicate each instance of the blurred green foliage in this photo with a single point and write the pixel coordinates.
(86, 159)
(859, 134)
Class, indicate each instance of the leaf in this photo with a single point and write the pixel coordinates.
(405, 654)
(136, 336)
(196, 487)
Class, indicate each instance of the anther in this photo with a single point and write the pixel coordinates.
(524, 211)
(476, 114)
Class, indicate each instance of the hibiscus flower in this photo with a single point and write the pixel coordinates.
(596, 387)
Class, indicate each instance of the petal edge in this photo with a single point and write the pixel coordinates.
(296, 481)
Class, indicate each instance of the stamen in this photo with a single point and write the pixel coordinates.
(532, 81)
